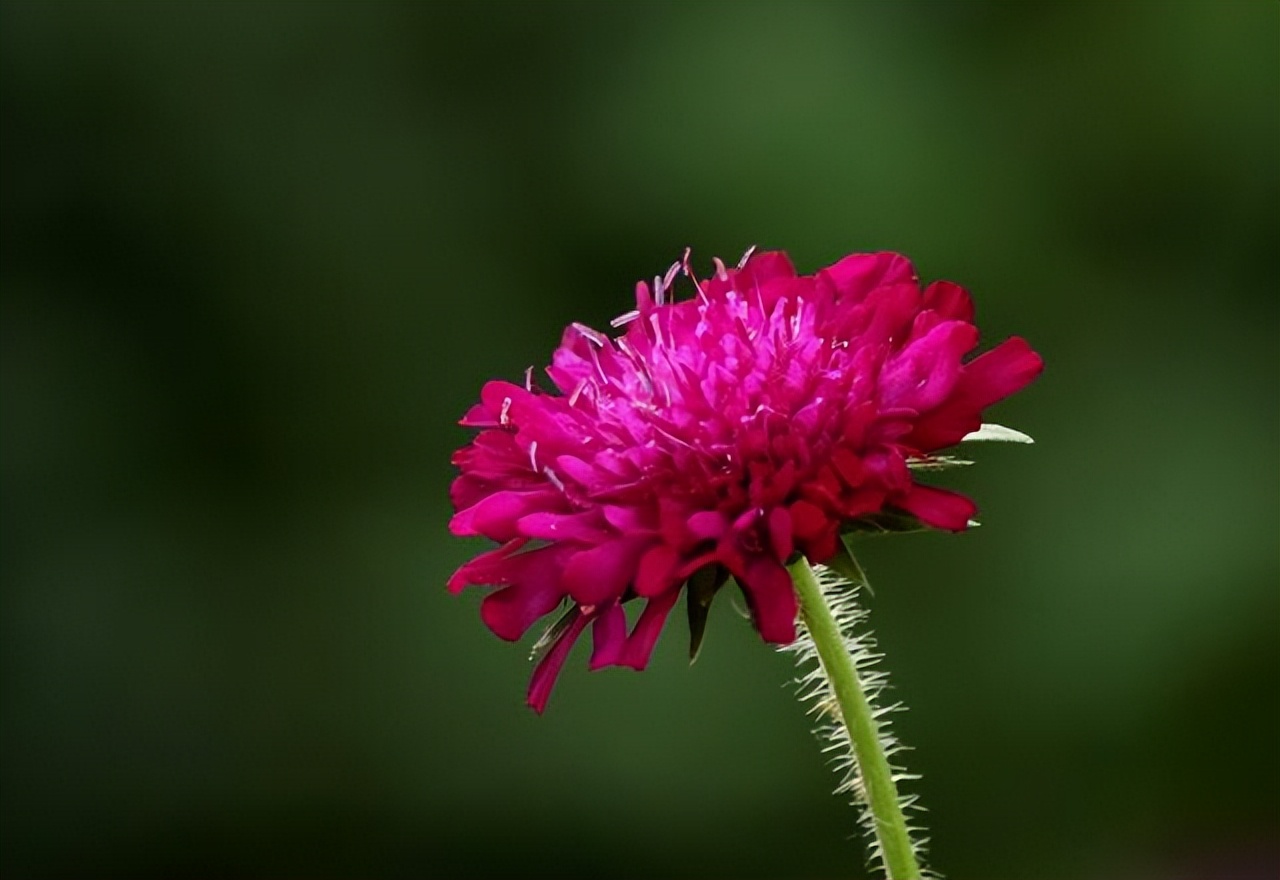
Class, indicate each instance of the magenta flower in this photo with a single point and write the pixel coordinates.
(717, 437)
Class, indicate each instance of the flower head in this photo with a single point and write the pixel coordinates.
(714, 437)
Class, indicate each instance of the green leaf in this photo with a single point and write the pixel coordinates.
(997, 433)
(699, 591)
(845, 565)
(937, 463)
(884, 522)
(552, 633)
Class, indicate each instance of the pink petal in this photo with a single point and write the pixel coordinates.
(922, 375)
(587, 527)
(773, 599)
(892, 309)
(595, 576)
(495, 516)
(858, 274)
(647, 629)
(609, 636)
(807, 519)
(993, 376)
(945, 426)
(548, 669)
(656, 571)
(986, 379)
(479, 416)
(707, 525)
(780, 537)
(949, 300)
(937, 507)
(492, 567)
(763, 267)
(535, 591)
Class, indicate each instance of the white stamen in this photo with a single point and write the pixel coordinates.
(577, 392)
(721, 272)
(624, 318)
(595, 336)
(657, 328)
(528, 378)
(533, 454)
(672, 271)
(595, 359)
(555, 481)
(746, 256)
(795, 319)
(504, 418)
(688, 270)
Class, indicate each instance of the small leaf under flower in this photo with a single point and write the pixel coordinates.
(996, 433)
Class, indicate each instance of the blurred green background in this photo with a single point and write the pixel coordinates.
(259, 257)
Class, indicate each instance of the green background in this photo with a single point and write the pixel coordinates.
(259, 257)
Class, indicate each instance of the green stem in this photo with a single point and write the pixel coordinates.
(877, 777)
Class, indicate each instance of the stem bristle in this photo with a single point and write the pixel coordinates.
(814, 688)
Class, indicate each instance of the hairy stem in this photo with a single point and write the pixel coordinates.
(855, 711)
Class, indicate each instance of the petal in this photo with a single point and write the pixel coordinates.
(891, 309)
(937, 507)
(824, 546)
(807, 519)
(986, 379)
(644, 635)
(780, 538)
(922, 375)
(595, 576)
(501, 397)
(763, 267)
(996, 374)
(495, 515)
(535, 590)
(858, 274)
(492, 567)
(657, 570)
(479, 416)
(949, 300)
(548, 669)
(849, 466)
(707, 525)
(772, 596)
(629, 518)
(609, 636)
(581, 472)
(587, 527)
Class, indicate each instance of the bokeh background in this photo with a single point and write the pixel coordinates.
(259, 257)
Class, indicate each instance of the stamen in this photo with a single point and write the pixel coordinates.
(504, 417)
(721, 272)
(533, 454)
(657, 328)
(746, 256)
(795, 319)
(672, 271)
(595, 359)
(555, 481)
(577, 392)
(528, 378)
(625, 318)
(594, 335)
(688, 270)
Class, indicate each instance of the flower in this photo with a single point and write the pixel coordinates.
(716, 437)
